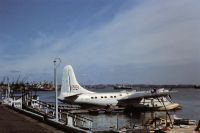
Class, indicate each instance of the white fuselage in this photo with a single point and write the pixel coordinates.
(113, 98)
(101, 99)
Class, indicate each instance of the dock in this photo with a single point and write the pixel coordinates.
(12, 121)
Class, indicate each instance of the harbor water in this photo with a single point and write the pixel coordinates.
(188, 98)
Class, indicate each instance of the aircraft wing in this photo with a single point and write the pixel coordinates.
(145, 94)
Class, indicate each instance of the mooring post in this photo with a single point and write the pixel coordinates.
(66, 120)
(60, 115)
(117, 121)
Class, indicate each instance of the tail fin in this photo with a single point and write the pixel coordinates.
(69, 82)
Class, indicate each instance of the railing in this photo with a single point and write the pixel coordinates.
(75, 120)
(65, 117)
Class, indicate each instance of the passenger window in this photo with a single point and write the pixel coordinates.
(101, 96)
(111, 96)
(120, 94)
(105, 96)
(114, 96)
(95, 97)
(92, 97)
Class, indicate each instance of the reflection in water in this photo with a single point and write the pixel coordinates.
(103, 121)
(119, 120)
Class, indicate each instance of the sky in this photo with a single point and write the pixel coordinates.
(106, 41)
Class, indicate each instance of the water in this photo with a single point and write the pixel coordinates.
(189, 99)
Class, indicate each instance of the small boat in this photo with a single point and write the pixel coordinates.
(122, 87)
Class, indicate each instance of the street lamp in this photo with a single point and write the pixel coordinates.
(56, 62)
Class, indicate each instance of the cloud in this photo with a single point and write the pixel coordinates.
(153, 33)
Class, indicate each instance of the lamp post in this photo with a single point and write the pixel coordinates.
(56, 62)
